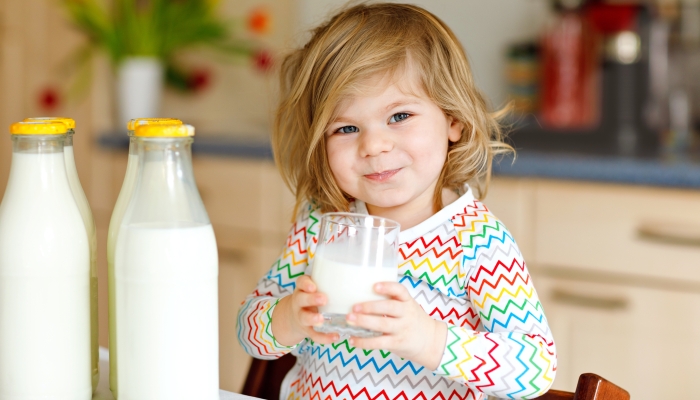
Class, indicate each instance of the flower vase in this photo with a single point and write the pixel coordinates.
(139, 88)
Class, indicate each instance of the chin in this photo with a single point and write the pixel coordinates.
(387, 201)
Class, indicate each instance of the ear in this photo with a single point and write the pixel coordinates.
(454, 131)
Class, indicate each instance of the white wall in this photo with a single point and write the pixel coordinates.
(485, 28)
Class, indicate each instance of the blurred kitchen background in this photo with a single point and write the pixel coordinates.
(603, 198)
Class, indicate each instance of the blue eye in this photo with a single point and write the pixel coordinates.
(398, 117)
(347, 129)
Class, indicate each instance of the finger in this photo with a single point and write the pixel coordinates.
(305, 284)
(372, 322)
(375, 343)
(303, 299)
(323, 338)
(394, 290)
(310, 318)
(391, 308)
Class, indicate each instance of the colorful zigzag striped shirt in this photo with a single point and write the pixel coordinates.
(463, 267)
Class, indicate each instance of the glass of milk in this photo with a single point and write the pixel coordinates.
(125, 193)
(354, 252)
(166, 277)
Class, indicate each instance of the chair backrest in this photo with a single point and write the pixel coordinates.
(265, 377)
(589, 387)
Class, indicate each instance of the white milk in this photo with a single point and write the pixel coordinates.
(44, 285)
(166, 288)
(86, 213)
(132, 167)
(347, 284)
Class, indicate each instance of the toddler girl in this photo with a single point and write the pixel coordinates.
(380, 115)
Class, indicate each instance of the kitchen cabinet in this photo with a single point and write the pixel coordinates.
(619, 284)
(512, 201)
(648, 232)
(244, 197)
(642, 339)
(617, 269)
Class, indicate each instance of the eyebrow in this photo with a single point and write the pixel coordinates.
(401, 103)
(342, 119)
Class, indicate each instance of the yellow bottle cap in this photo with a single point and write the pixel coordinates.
(68, 122)
(132, 124)
(165, 131)
(38, 128)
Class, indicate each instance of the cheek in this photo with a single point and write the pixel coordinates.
(430, 150)
(340, 158)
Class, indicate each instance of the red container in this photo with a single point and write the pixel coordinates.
(571, 93)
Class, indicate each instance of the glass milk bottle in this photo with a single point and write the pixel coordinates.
(166, 272)
(88, 220)
(114, 224)
(44, 273)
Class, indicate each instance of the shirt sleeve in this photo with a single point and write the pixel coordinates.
(515, 357)
(254, 324)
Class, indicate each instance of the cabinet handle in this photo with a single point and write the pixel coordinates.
(685, 235)
(582, 300)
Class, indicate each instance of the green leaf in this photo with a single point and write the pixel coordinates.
(154, 28)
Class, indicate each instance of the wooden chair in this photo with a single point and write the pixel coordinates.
(589, 387)
(265, 377)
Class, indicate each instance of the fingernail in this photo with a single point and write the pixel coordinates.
(351, 318)
(319, 300)
(378, 287)
(357, 308)
(351, 342)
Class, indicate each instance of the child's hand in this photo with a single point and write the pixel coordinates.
(295, 315)
(408, 331)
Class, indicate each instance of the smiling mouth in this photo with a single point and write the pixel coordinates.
(382, 176)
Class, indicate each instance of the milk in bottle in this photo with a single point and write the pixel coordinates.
(44, 273)
(114, 224)
(88, 220)
(166, 272)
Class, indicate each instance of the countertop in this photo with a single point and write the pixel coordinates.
(218, 145)
(572, 161)
(103, 392)
(654, 171)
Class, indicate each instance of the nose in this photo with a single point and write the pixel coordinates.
(374, 142)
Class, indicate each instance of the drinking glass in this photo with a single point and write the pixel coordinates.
(354, 252)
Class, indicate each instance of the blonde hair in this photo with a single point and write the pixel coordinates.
(359, 43)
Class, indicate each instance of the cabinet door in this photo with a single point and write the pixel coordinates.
(231, 191)
(642, 339)
(245, 196)
(645, 232)
(512, 201)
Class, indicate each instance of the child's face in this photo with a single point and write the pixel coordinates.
(387, 147)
